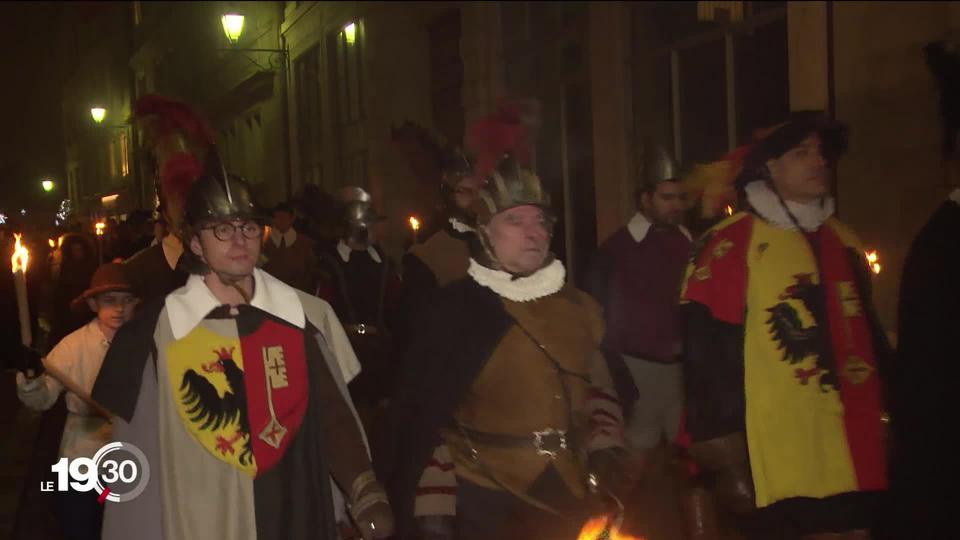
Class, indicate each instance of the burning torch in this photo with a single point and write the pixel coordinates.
(873, 259)
(98, 227)
(414, 226)
(18, 263)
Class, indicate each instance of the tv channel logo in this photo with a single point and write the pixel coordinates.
(118, 472)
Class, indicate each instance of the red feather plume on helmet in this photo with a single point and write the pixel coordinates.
(178, 135)
(509, 131)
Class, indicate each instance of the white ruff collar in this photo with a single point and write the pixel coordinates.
(188, 305)
(810, 216)
(460, 226)
(955, 196)
(543, 282)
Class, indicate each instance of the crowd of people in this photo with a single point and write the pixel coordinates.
(283, 385)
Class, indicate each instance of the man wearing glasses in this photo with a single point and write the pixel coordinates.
(234, 387)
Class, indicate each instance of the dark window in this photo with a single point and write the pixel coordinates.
(307, 72)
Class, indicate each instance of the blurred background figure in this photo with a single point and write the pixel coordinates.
(159, 231)
(78, 261)
(290, 253)
(362, 285)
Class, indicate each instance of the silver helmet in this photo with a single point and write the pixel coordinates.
(656, 165)
(358, 213)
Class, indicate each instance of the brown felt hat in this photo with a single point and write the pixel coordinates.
(108, 278)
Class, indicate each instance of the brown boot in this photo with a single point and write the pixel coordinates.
(701, 515)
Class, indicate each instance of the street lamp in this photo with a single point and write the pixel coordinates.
(350, 33)
(98, 114)
(47, 185)
(232, 26)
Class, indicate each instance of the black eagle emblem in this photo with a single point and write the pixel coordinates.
(797, 341)
(205, 407)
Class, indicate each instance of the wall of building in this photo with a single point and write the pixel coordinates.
(181, 52)
(396, 88)
(95, 47)
(893, 176)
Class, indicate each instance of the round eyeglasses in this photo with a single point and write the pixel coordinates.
(225, 230)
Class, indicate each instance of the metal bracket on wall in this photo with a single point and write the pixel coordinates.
(277, 59)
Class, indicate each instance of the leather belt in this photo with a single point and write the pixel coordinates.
(361, 329)
(547, 442)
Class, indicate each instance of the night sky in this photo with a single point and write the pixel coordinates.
(31, 141)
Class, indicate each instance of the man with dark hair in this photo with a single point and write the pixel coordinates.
(290, 254)
(636, 278)
(784, 353)
(442, 259)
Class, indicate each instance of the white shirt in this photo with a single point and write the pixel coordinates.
(77, 357)
(188, 305)
(344, 250)
(639, 226)
(288, 237)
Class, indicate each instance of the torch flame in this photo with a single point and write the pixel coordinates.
(51, 243)
(20, 256)
(414, 223)
(728, 209)
(99, 227)
(873, 259)
(602, 527)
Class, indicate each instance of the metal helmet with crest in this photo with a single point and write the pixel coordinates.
(193, 183)
(501, 143)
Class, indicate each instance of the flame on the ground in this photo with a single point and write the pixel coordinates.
(20, 256)
(602, 528)
(873, 259)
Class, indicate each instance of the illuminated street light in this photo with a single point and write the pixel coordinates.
(47, 185)
(98, 114)
(350, 32)
(232, 26)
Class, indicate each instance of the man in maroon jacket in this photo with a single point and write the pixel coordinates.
(636, 278)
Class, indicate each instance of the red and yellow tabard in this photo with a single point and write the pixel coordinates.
(813, 424)
(242, 399)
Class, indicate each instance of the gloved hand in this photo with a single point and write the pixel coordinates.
(376, 521)
(609, 466)
(371, 511)
(27, 385)
(28, 360)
